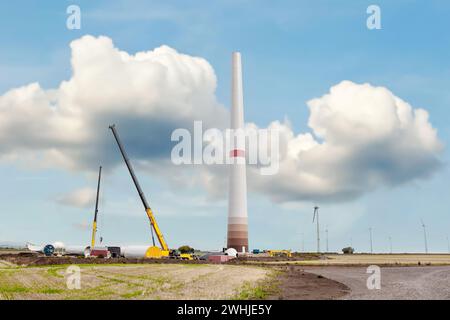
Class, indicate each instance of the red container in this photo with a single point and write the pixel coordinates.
(219, 258)
(100, 253)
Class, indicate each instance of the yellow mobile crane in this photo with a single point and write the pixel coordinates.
(94, 224)
(154, 251)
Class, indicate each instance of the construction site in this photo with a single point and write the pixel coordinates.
(236, 271)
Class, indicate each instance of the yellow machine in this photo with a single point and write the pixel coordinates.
(153, 252)
(94, 224)
(280, 253)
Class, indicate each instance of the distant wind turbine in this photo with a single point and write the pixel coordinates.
(425, 235)
(316, 213)
(371, 243)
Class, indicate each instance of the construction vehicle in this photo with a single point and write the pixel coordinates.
(280, 253)
(93, 251)
(152, 252)
(99, 252)
(94, 224)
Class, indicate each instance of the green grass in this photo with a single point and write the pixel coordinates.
(96, 293)
(157, 280)
(13, 289)
(251, 292)
(50, 291)
(113, 279)
(133, 294)
(261, 290)
(8, 291)
(7, 272)
(54, 272)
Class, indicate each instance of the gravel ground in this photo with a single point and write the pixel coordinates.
(412, 283)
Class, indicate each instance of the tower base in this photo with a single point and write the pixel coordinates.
(237, 237)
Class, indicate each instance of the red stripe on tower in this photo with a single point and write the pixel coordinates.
(236, 153)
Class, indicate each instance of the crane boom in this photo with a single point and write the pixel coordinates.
(94, 225)
(148, 210)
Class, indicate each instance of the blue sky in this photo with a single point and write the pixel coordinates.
(292, 52)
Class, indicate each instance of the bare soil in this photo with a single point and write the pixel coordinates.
(296, 284)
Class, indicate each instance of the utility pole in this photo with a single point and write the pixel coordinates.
(371, 244)
(316, 213)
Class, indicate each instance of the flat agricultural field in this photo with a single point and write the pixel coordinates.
(375, 259)
(154, 281)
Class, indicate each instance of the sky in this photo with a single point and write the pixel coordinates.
(364, 113)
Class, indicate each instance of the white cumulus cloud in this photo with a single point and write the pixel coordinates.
(361, 137)
(147, 94)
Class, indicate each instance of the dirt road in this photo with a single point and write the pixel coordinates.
(417, 283)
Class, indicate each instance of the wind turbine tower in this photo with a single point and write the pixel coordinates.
(425, 235)
(326, 232)
(237, 236)
(371, 243)
(316, 213)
